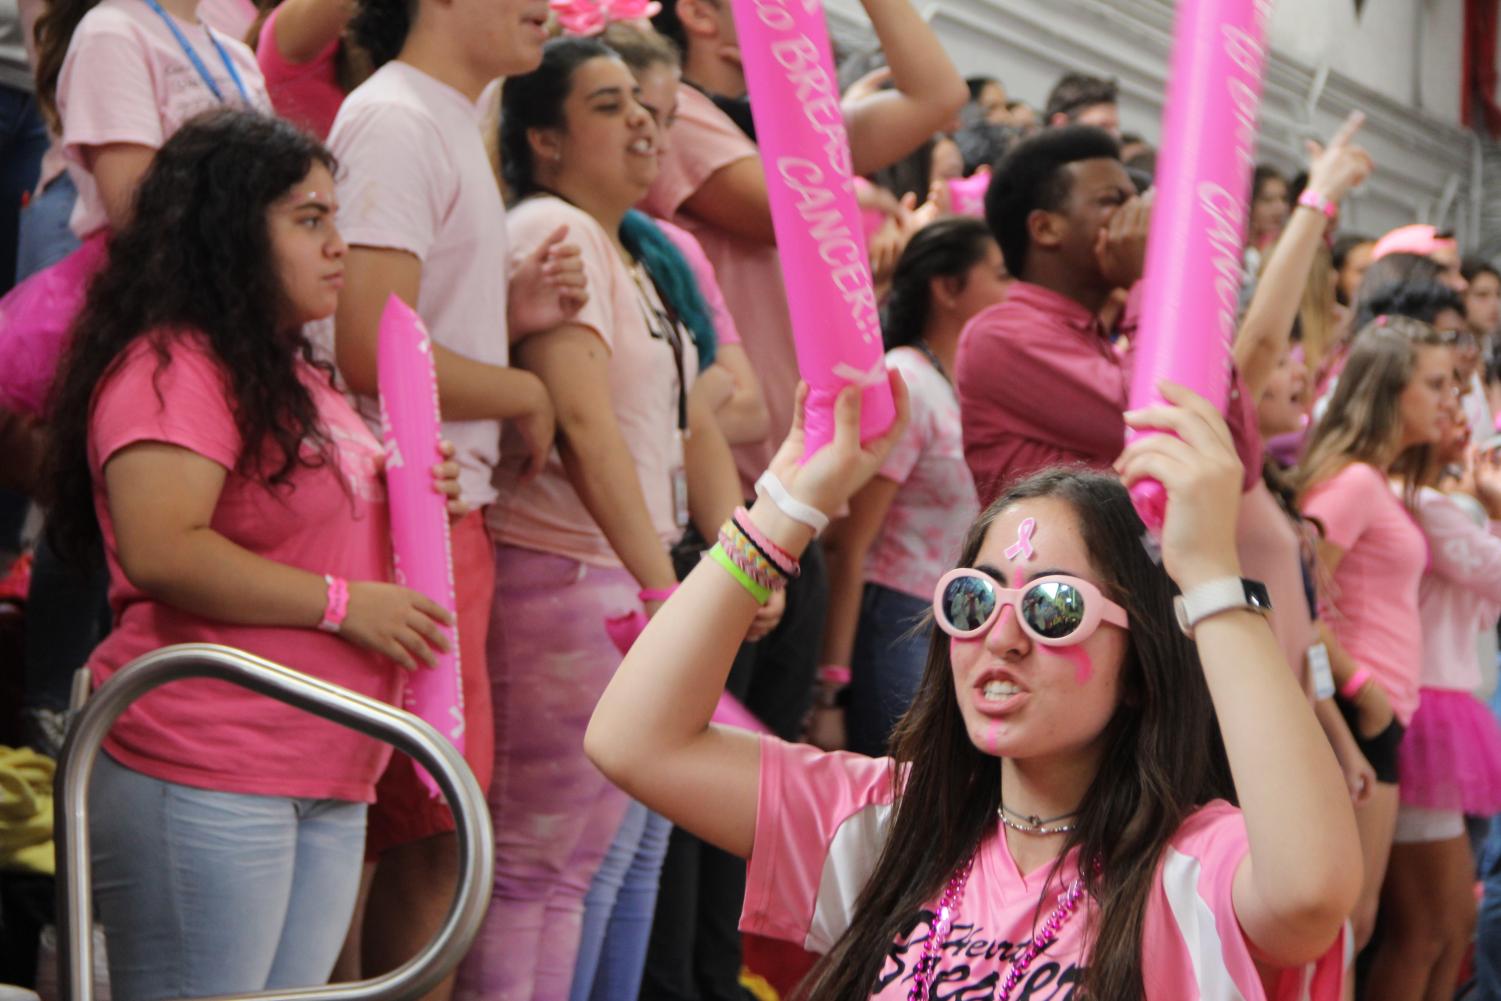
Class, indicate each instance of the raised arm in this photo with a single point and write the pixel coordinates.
(305, 28)
(1298, 884)
(650, 733)
(927, 90)
(1264, 333)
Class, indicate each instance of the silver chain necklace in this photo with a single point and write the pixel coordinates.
(1033, 824)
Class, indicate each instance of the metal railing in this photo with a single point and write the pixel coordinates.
(339, 705)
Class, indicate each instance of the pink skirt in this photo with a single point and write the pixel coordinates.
(1450, 758)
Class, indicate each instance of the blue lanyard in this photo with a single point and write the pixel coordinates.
(192, 54)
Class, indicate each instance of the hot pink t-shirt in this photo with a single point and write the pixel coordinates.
(924, 530)
(125, 79)
(1375, 597)
(725, 331)
(307, 94)
(546, 513)
(330, 520)
(414, 176)
(821, 822)
(704, 141)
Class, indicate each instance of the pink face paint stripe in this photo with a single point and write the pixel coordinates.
(1022, 547)
(1076, 655)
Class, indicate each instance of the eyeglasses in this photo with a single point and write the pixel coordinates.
(1057, 610)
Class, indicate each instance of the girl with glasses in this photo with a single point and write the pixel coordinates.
(1056, 817)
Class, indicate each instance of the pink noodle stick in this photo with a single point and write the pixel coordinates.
(1193, 267)
(820, 233)
(419, 515)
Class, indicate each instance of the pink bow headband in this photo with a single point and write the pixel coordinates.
(590, 17)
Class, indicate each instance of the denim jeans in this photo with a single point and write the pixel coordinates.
(45, 237)
(203, 892)
(23, 141)
(1488, 930)
(618, 910)
(890, 651)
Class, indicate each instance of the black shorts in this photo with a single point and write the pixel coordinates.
(1380, 750)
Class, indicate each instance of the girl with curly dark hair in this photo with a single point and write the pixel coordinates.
(1056, 817)
(241, 502)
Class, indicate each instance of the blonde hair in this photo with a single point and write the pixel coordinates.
(1363, 422)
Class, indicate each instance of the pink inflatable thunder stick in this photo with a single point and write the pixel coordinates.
(1193, 266)
(794, 97)
(419, 516)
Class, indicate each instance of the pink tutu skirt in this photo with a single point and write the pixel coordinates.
(1450, 758)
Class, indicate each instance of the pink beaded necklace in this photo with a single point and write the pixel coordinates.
(948, 908)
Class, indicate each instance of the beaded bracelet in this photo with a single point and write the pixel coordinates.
(739, 548)
(784, 561)
(718, 555)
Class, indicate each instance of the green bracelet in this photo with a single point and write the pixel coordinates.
(761, 594)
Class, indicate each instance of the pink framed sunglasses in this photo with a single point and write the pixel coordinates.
(1057, 610)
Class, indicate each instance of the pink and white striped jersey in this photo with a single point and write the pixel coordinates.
(821, 823)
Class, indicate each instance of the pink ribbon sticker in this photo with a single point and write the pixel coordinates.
(1022, 547)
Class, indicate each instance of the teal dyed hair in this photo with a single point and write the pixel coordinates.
(673, 278)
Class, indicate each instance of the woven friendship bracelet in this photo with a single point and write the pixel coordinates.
(749, 558)
(785, 561)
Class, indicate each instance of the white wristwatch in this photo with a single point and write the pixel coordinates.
(1222, 595)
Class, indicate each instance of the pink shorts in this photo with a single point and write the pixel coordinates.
(403, 810)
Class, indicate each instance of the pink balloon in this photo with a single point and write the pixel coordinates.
(419, 515)
(836, 324)
(36, 318)
(1192, 290)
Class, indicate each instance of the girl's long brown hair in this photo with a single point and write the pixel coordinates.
(1162, 757)
(1363, 422)
(54, 32)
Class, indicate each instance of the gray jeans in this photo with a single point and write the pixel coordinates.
(203, 892)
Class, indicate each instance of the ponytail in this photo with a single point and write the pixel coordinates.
(673, 278)
(53, 33)
(947, 248)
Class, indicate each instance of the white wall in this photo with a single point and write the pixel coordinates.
(1421, 153)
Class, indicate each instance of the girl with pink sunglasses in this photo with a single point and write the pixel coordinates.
(1058, 816)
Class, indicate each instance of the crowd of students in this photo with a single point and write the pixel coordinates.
(1014, 745)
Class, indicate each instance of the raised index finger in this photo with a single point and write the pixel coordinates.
(1347, 131)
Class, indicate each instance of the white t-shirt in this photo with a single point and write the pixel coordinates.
(413, 176)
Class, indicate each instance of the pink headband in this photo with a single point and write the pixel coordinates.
(591, 17)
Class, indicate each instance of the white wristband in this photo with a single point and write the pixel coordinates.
(803, 514)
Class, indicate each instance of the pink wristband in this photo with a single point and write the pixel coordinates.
(1313, 200)
(338, 604)
(656, 593)
(835, 675)
(1356, 684)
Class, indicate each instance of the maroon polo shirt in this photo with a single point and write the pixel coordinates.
(1041, 385)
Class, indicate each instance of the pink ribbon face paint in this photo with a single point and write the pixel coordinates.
(1021, 549)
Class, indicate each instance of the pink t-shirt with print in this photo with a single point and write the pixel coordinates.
(306, 94)
(329, 520)
(822, 820)
(546, 513)
(1375, 596)
(704, 141)
(125, 79)
(414, 176)
(924, 530)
